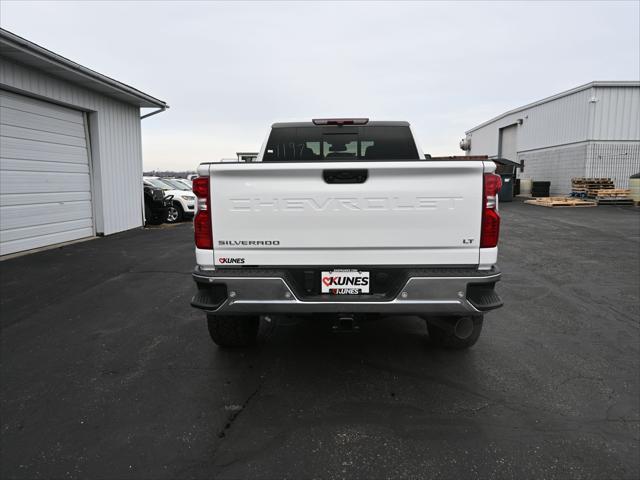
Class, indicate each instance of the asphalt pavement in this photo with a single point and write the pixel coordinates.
(107, 372)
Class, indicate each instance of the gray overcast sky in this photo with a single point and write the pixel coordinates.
(228, 70)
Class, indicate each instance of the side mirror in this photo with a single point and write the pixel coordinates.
(521, 167)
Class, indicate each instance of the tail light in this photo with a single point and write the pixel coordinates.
(490, 216)
(202, 220)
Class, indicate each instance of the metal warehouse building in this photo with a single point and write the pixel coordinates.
(70, 149)
(589, 131)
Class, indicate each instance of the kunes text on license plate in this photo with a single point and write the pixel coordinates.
(345, 282)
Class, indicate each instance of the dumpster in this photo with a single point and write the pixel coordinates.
(506, 191)
(507, 171)
(540, 189)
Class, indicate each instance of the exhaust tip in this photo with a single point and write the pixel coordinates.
(463, 328)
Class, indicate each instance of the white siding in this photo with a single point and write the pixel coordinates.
(590, 132)
(613, 116)
(115, 143)
(617, 114)
(484, 141)
(558, 122)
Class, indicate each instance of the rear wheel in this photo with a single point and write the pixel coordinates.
(233, 330)
(455, 333)
(175, 213)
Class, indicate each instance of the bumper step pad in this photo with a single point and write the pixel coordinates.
(484, 297)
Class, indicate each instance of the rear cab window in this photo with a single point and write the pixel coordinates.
(340, 143)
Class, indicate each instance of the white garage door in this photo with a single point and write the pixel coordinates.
(45, 185)
(509, 143)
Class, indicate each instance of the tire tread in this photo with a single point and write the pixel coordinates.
(233, 331)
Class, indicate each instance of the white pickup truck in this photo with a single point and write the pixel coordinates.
(345, 217)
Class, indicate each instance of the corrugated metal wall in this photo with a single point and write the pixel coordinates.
(615, 115)
(115, 143)
(559, 122)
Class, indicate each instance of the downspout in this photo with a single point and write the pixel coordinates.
(160, 110)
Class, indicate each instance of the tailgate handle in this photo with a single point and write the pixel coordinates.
(345, 176)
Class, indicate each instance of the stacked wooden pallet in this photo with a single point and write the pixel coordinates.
(586, 187)
(602, 190)
(613, 196)
(561, 202)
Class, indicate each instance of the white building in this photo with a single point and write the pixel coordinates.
(589, 131)
(70, 149)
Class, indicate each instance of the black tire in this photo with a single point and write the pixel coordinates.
(448, 339)
(233, 330)
(175, 213)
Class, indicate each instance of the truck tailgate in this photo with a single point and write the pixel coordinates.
(404, 213)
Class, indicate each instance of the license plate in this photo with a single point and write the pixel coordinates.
(345, 282)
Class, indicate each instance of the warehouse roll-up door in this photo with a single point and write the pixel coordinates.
(45, 182)
(509, 143)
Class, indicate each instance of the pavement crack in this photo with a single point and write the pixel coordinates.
(236, 413)
(579, 376)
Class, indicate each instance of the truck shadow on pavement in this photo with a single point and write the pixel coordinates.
(306, 391)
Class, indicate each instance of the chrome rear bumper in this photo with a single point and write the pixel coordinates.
(226, 294)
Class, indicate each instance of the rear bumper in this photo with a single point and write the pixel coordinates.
(426, 291)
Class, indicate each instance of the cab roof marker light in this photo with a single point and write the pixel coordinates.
(340, 121)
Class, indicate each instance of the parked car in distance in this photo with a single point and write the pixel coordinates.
(345, 218)
(179, 183)
(183, 202)
(188, 183)
(156, 204)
